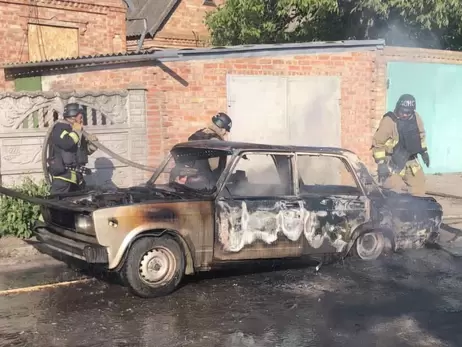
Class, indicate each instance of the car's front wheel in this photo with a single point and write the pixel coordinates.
(370, 245)
(154, 266)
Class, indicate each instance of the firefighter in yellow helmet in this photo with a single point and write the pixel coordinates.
(398, 140)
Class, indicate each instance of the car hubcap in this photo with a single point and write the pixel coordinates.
(157, 265)
(368, 246)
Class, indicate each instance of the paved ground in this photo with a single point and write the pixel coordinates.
(411, 299)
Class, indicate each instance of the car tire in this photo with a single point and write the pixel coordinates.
(372, 251)
(154, 266)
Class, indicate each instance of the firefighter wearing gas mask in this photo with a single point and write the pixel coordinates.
(398, 141)
(69, 152)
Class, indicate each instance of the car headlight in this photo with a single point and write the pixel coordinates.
(84, 224)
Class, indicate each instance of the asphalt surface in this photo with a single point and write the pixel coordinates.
(410, 299)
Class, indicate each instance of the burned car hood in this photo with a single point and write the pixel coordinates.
(94, 199)
(91, 200)
(408, 207)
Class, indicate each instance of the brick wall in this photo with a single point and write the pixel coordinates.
(101, 24)
(176, 110)
(206, 93)
(116, 79)
(168, 41)
(184, 27)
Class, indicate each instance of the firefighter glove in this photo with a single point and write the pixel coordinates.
(76, 126)
(425, 158)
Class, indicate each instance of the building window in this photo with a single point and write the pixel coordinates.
(52, 42)
(28, 84)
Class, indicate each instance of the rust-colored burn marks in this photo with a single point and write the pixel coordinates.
(165, 215)
(190, 219)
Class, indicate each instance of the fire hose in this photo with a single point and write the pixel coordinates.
(46, 146)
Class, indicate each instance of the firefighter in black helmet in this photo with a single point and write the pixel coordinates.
(219, 126)
(217, 129)
(69, 152)
(398, 141)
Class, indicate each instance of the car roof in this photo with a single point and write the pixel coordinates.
(232, 146)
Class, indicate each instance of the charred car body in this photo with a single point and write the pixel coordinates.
(245, 202)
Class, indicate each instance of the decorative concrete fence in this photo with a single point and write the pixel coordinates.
(117, 118)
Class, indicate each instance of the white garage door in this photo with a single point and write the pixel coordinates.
(292, 110)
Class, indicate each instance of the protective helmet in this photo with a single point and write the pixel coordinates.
(406, 104)
(72, 110)
(222, 121)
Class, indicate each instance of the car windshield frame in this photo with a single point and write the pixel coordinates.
(175, 153)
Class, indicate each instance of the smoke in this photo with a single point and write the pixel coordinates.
(396, 33)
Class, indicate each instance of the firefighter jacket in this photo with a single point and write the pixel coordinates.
(399, 141)
(69, 150)
(212, 132)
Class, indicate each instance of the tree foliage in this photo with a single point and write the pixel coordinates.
(423, 23)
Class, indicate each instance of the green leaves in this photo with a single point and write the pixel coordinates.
(261, 21)
(425, 23)
(17, 216)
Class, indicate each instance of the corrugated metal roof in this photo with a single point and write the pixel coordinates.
(197, 53)
(76, 59)
(154, 11)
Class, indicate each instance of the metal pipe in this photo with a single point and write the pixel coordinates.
(111, 59)
(141, 41)
(130, 5)
(143, 34)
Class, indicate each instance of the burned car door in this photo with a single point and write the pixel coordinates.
(257, 214)
(332, 199)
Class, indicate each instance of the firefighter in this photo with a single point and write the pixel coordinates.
(219, 126)
(69, 152)
(217, 129)
(398, 140)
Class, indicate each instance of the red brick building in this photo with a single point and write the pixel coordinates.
(187, 87)
(337, 91)
(169, 23)
(310, 93)
(52, 29)
(36, 30)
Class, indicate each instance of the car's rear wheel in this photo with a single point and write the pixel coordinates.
(370, 245)
(154, 266)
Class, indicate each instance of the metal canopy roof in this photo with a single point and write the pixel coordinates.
(196, 53)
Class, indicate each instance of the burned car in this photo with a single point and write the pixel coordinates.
(212, 202)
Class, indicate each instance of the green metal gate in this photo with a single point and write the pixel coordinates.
(438, 91)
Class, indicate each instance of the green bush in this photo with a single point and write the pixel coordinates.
(17, 216)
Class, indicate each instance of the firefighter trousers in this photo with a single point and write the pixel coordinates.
(411, 180)
(70, 181)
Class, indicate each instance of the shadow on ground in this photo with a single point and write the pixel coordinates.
(411, 298)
